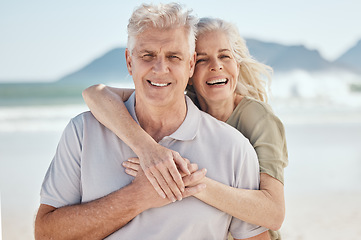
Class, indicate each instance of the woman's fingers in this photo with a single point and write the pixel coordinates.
(131, 172)
(131, 166)
(164, 176)
(134, 160)
(154, 179)
(161, 171)
(182, 163)
(194, 178)
(190, 191)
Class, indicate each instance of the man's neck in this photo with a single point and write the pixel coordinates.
(159, 122)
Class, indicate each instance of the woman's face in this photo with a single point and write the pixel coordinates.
(216, 71)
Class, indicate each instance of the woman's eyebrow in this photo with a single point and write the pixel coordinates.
(201, 54)
(224, 50)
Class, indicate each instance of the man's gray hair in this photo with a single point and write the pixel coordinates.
(162, 16)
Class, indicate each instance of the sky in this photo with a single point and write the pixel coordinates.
(43, 40)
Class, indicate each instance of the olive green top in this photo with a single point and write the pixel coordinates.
(257, 122)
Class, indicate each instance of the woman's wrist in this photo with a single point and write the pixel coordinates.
(147, 143)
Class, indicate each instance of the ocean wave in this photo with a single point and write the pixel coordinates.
(38, 118)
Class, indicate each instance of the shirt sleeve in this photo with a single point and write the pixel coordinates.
(247, 178)
(270, 145)
(266, 133)
(61, 185)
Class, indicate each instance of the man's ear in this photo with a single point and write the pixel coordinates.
(190, 81)
(192, 63)
(128, 60)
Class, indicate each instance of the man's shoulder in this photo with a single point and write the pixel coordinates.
(86, 120)
(219, 128)
(84, 116)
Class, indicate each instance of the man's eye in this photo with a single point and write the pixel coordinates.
(147, 57)
(174, 57)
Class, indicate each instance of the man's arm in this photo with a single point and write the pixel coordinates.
(263, 236)
(99, 218)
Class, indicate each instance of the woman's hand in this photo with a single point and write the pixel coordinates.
(160, 165)
(193, 181)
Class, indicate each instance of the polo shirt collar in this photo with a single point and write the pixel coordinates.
(187, 130)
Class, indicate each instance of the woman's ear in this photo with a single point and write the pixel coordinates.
(128, 60)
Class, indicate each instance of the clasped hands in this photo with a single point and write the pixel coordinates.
(171, 175)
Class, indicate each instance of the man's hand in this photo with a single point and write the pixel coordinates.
(160, 166)
(191, 181)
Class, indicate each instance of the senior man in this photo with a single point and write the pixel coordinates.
(87, 195)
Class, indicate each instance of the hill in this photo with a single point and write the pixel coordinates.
(352, 57)
(110, 67)
(284, 58)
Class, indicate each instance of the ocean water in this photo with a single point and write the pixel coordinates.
(324, 144)
(28, 140)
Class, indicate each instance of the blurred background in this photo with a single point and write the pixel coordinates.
(50, 51)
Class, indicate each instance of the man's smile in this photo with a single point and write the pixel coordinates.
(158, 84)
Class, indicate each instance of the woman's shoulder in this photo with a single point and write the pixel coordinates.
(252, 109)
(251, 104)
(250, 112)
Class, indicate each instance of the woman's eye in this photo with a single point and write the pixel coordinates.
(200, 60)
(225, 56)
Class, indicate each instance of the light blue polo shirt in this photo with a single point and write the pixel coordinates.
(87, 166)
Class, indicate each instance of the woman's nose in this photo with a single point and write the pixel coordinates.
(216, 65)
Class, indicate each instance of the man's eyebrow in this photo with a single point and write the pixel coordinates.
(175, 53)
(145, 51)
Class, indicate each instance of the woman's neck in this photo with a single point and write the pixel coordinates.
(221, 110)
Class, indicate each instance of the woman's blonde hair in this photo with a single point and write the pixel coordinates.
(251, 79)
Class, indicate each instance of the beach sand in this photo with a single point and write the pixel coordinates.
(313, 217)
(317, 217)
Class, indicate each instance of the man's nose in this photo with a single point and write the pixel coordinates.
(160, 65)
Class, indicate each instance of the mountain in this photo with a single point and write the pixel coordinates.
(288, 58)
(352, 57)
(111, 67)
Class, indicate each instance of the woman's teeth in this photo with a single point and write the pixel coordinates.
(217, 81)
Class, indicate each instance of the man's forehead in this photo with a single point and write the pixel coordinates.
(154, 40)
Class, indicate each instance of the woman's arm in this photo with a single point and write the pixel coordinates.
(264, 207)
(159, 163)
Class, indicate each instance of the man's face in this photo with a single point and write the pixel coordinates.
(161, 66)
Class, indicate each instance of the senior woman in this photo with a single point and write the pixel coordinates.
(228, 84)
